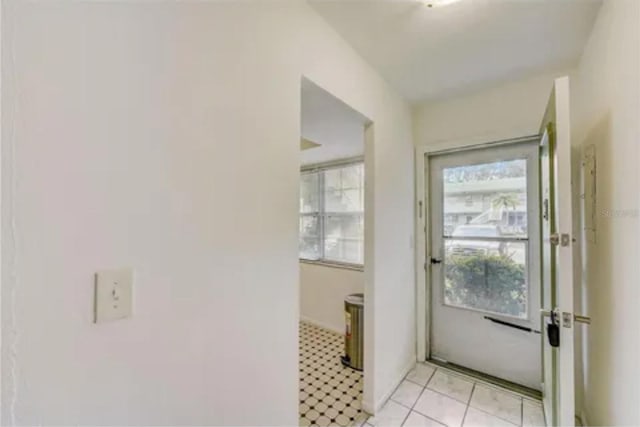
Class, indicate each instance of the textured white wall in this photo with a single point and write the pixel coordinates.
(510, 110)
(322, 293)
(165, 137)
(606, 113)
(331, 123)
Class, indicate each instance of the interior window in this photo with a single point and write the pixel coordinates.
(332, 214)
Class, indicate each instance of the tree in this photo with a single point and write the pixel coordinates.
(505, 201)
(491, 283)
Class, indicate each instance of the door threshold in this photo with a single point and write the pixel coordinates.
(517, 388)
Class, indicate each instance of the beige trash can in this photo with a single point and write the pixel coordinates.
(354, 331)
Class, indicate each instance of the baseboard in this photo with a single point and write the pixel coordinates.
(321, 324)
(368, 407)
(373, 409)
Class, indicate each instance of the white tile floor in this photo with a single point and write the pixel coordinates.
(432, 396)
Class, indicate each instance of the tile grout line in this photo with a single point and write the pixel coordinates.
(391, 399)
(494, 415)
(424, 387)
(466, 410)
(405, 418)
(468, 404)
(483, 382)
(428, 379)
(446, 395)
(442, 394)
(414, 383)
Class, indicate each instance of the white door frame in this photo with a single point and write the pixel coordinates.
(423, 268)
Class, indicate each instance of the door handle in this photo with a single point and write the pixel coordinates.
(436, 261)
(553, 327)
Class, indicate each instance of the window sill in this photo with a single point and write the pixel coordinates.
(344, 266)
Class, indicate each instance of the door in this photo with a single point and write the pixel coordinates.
(557, 256)
(485, 265)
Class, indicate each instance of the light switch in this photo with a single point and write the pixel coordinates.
(113, 295)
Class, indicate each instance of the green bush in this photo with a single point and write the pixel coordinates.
(492, 283)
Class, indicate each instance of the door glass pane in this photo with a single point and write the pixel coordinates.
(344, 238)
(487, 275)
(309, 244)
(486, 200)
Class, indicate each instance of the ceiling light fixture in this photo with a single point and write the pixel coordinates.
(438, 3)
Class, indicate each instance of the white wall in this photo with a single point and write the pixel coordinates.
(165, 137)
(331, 123)
(322, 293)
(606, 113)
(510, 110)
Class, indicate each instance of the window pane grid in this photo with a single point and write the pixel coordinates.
(486, 238)
(491, 239)
(332, 214)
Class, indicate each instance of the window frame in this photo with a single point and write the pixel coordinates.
(320, 168)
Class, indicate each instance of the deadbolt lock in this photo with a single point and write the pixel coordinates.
(560, 239)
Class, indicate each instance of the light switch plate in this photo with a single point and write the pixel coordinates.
(113, 295)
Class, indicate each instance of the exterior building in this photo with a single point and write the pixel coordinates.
(476, 202)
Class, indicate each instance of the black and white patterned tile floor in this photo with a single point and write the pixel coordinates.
(330, 393)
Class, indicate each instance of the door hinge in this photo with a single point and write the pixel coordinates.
(560, 239)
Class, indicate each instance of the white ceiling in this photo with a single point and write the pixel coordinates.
(428, 53)
(334, 125)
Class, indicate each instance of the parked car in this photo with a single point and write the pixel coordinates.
(475, 247)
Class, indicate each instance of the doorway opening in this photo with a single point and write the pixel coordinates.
(485, 261)
(332, 257)
(449, 247)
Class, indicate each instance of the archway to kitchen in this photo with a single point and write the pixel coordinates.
(332, 258)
